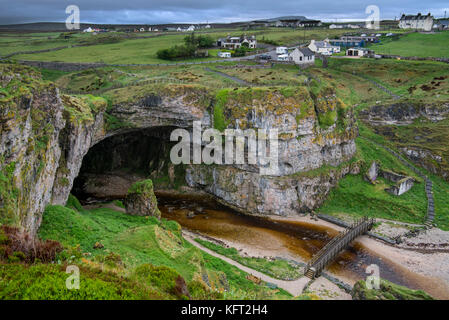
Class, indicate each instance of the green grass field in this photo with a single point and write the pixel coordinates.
(413, 80)
(416, 44)
(141, 51)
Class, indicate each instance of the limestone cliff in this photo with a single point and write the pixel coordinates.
(31, 120)
(315, 130)
(418, 129)
(45, 137)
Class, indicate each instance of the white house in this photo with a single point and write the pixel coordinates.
(418, 22)
(233, 43)
(335, 26)
(302, 56)
(222, 54)
(323, 47)
(88, 30)
(191, 28)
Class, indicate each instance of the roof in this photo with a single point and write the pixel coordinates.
(322, 44)
(419, 16)
(306, 51)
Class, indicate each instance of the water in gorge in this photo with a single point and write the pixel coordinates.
(289, 239)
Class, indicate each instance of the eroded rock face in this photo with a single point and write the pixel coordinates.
(45, 136)
(418, 130)
(30, 122)
(404, 113)
(314, 131)
(251, 193)
(141, 200)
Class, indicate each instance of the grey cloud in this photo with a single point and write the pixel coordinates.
(172, 11)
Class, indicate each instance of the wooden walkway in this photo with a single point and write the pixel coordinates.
(333, 248)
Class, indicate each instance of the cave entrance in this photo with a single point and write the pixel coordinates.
(111, 166)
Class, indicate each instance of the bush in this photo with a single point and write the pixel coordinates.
(240, 52)
(17, 245)
(48, 282)
(163, 277)
(199, 41)
(177, 52)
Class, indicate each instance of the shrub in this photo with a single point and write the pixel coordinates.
(163, 277)
(177, 52)
(18, 245)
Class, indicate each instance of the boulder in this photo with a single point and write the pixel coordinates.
(373, 172)
(401, 186)
(141, 200)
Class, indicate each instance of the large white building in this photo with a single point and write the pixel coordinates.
(418, 22)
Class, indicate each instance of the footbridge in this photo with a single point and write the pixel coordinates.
(333, 248)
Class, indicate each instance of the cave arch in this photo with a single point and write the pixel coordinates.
(113, 164)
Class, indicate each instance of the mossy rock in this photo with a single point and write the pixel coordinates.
(141, 200)
(387, 291)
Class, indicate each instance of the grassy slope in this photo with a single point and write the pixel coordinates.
(416, 44)
(405, 78)
(139, 240)
(356, 197)
(279, 269)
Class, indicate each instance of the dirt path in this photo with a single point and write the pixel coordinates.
(295, 287)
(225, 75)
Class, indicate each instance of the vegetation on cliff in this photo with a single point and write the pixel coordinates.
(387, 291)
(143, 249)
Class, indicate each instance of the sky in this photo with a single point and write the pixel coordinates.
(202, 11)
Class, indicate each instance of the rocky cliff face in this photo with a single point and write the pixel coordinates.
(315, 131)
(31, 120)
(419, 130)
(45, 136)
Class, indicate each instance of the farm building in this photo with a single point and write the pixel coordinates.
(359, 52)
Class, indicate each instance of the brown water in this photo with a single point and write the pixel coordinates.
(296, 240)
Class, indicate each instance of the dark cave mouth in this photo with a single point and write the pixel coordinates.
(111, 166)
